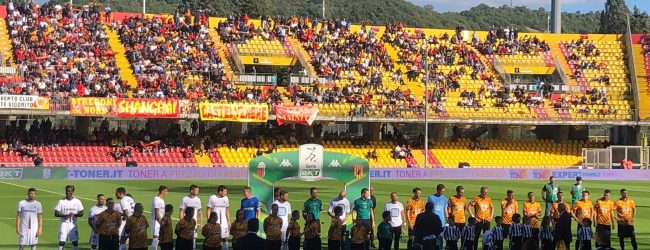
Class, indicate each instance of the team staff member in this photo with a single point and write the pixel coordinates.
(576, 191)
(136, 229)
(92, 217)
(185, 229)
(108, 226)
(533, 210)
(396, 210)
(604, 208)
(481, 208)
(414, 206)
(364, 212)
(457, 207)
(625, 212)
(427, 228)
(69, 209)
(549, 194)
(29, 220)
(583, 209)
(509, 207)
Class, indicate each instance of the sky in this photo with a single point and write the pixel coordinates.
(567, 5)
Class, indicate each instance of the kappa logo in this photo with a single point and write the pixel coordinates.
(334, 164)
(285, 164)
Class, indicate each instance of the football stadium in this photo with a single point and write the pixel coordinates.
(190, 130)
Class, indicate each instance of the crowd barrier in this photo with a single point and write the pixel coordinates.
(241, 173)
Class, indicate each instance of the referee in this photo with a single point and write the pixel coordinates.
(365, 213)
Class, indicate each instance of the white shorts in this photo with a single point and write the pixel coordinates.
(68, 231)
(94, 238)
(225, 231)
(28, 237)
(121, 232)
(155, 229)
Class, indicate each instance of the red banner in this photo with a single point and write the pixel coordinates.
(92, 106)
(147, 108)
(295, 114)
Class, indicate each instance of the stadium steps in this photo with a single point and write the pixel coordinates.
(418, 157)
(126, 72)
(432, 159)
(303, 57)
(203, 160)
(564, 64)
(5, 44)
(416, 88)
(643, 82)
(223, 52)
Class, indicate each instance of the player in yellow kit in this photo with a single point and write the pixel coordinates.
(605, 215)
(625, 214)
(583, 209)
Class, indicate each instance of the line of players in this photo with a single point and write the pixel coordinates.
(114, 225)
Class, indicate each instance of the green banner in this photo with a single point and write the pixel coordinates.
(309, 163)
(33, 173)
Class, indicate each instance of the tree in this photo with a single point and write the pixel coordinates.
(255, 8)
(613, 18)
(639, 21)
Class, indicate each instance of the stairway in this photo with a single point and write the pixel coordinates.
(643, 82)
(126, 72)
(303, 56)
(416, 88)
(433, 160)
(418, 157)
(224, 54)
(556, 51)
(5, 44)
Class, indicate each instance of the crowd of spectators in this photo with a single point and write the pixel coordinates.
(61, 51)
(505, 41)
(165, 52)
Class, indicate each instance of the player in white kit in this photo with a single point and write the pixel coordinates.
(29, 220)
(219, 204)
(127, 205)
(94, 212)
(193, 200)
(284, 211)
(157, 213)
(69, 209)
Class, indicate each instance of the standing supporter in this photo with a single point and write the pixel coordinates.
(549, 194)
(509, 207)
(626, 213)
(482, 210)
(414, 207)
(29, 220)
(604, 208)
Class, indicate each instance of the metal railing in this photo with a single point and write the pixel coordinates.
(559, 69)
(308, 80)
(304, 61)
(257, 79)
(631, 63)
(236, 58)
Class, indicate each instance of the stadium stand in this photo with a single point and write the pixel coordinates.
(641, 50)
(371, 72)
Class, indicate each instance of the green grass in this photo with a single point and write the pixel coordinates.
(11, 192)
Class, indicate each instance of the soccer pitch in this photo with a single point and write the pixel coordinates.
(50, 191)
